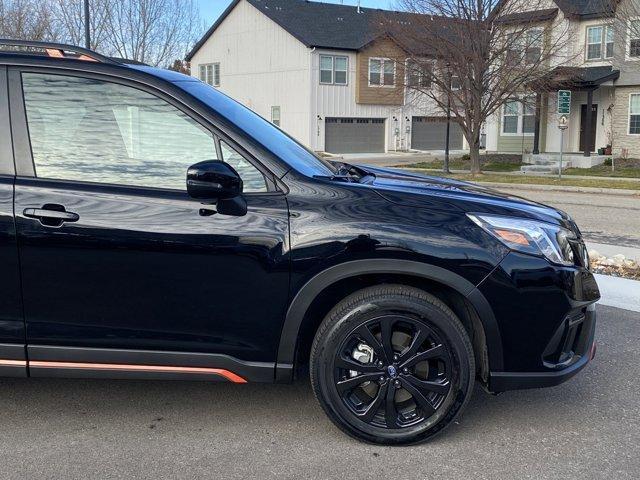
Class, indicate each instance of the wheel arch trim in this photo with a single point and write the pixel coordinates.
(310, 290)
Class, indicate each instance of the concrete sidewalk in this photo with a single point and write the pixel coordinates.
(619, 292)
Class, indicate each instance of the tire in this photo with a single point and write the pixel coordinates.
(398, 391)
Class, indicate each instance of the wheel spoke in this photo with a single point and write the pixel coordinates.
(440, 388)
(422, 401)
(386, 332)
(390, 410)
(353, 382)
(368, 414)
(350, 364)
(435, 352)
(418, 339)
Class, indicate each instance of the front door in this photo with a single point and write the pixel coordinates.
(113, 252)
(592, 127)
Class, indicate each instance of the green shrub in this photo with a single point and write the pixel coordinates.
(607, 162)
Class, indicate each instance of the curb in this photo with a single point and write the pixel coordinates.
(621, 192)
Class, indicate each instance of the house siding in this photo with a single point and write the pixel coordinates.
(261, 65)
(377, 95)
(621, 138)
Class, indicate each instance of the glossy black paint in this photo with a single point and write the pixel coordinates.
(150, 269)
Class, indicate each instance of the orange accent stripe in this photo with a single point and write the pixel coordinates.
(232, 377)
(13, 363)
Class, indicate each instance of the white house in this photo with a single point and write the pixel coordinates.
(601, 68)
(323, 73)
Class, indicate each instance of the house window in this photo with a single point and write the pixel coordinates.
(333, 69)
(210, 73)
(419, 74)
(533, 47)
(275, 116)
(634, 114)
(594, 43)
(519, 116)
(633, 51)
(599, 42)
(382, 72)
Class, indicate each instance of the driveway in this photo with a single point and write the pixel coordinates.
(588, 428)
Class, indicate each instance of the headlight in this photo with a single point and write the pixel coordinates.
(529, 236)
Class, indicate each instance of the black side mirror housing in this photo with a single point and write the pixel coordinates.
(213, 180)
(217, 182)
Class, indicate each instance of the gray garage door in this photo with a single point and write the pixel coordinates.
(429, 133)
(354, 135)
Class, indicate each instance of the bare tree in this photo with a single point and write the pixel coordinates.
(153, 31)
(30, 19)
(469, 57)
(69, 15)
(626, 32)
(149, 31)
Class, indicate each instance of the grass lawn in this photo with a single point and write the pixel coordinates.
(531, 180)
(459, 164)
(605, 171)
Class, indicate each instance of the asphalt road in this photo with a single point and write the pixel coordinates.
(608, 219)
(588, 428)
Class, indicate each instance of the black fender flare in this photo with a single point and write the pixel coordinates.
(310, 290)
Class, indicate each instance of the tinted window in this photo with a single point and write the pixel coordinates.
(252, 179)
(90, 130)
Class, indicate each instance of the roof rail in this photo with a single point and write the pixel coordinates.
(54, 50)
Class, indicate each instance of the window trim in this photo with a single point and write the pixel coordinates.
(382, 62)
(627, 44)
(629, 115)
(333, 69)
(25, 166)
(527, 47)
(520, 126)
(606, 27)
(279, 110)
(206, 66)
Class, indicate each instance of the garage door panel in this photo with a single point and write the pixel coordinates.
(430, 133)
(354, 135)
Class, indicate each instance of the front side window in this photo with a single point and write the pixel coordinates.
(104, 132)
(252, 180)
(382, 72)
(634, 114)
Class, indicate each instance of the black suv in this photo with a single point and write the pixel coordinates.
(152, 227)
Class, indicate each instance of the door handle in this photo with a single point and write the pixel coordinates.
(51, 215)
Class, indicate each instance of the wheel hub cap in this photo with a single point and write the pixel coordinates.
(392, 371)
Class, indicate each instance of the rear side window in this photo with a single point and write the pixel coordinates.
(95, 131)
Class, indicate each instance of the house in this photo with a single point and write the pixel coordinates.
(600, 65)
(323, 73)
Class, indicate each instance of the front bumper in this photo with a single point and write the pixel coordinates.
(578, 351)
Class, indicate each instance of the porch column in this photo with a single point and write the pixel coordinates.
(587, 126)
(536, 132)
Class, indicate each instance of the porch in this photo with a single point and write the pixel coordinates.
(589, 127)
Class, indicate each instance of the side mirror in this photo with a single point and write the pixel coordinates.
(213, 180)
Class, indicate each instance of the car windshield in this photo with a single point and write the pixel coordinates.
(268, 135)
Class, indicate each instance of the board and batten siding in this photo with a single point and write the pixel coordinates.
(261, 66)
(340, 101)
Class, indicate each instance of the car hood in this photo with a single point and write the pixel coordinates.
(417, 190)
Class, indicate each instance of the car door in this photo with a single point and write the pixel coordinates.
(12, 332)
(116, 259)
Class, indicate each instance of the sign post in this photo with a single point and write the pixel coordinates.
(563, 123)
(564, 110)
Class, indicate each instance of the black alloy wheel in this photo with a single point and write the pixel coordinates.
(392, 364)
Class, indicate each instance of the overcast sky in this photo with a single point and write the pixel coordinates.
(211, 9)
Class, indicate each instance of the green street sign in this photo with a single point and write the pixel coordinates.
(564, 102)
